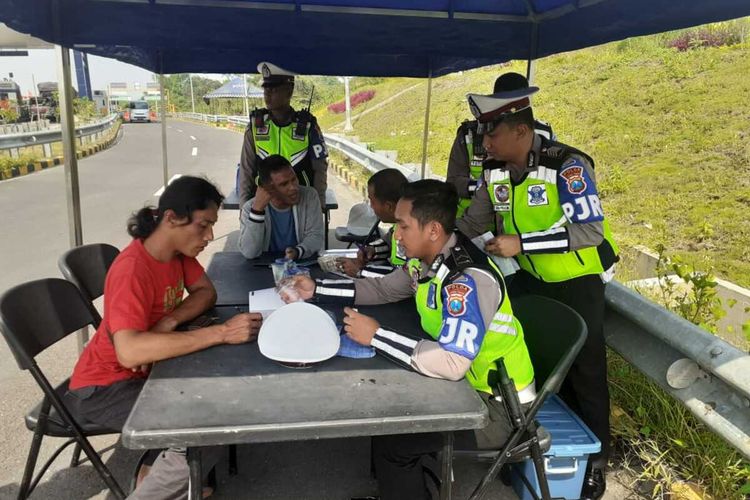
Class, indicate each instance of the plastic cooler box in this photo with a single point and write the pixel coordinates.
(565, 462)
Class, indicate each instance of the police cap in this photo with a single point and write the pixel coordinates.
(274, 76)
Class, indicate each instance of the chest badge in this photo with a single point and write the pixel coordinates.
(537, 195)
(502, 197)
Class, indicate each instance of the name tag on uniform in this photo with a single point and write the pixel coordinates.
(501, 207)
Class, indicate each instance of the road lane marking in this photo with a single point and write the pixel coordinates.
(192, 137)
(161, 189)
(195, 151)
(179, 130)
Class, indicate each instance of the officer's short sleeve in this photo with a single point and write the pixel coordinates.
(579, 197)
(463, 328)
(317, 142)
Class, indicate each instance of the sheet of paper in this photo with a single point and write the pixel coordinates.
(507, 265)
(341, 252)
(264, 301)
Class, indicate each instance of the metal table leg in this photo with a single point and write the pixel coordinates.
(195, 488)
(446, 482)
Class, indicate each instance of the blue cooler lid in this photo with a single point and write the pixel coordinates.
(570, 436)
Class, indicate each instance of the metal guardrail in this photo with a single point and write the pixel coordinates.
(705, 373)
(13, 142)
(357, 152)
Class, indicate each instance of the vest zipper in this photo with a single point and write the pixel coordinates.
(515, 225)
(579, 258)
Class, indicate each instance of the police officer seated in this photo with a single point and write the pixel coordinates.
(279, 129)
(382, 255)
(282, 216)
(463, 305)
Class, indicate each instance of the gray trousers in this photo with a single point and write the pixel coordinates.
(110, 406)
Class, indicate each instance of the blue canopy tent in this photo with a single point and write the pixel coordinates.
(419, 38)
(235, 88)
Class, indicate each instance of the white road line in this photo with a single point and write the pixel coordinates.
(179, 130)
(192, 137)
(195, 151)
(161, 189)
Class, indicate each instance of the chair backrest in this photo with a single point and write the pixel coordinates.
(37, 314)
(554, 335)
(86, 267)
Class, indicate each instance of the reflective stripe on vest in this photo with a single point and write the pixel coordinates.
(494, 346)
(475, 167)
(523, 213)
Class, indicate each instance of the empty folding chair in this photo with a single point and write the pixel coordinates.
(554, 334)
(86, 266)
(33, 317)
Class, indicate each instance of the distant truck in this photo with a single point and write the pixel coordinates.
(138, 111)
(46, 104)
(12, 103)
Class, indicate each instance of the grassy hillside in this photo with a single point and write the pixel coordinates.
(670, 132)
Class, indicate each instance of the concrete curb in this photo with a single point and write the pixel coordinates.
(39, 165)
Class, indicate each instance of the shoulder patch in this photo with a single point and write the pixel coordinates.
(457, 295)
(573, 173)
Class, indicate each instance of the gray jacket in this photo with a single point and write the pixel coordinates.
(255, 228)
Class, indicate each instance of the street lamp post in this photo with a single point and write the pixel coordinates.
(348, 126)
(192, 98)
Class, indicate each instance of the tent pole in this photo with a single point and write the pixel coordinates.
(531, 70)
(69, 146)
(533, 51)
(72, 191)
(426, 132)
(163, 112)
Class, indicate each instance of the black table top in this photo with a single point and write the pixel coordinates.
(232, 394)
(234, 276)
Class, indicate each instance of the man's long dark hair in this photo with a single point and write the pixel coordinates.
(183, 196)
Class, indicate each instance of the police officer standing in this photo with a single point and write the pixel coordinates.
(279, 129)
(464, 308)
(468, 154)
(542, 196)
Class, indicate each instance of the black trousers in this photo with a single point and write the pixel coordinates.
(399, 459)
(585, 389)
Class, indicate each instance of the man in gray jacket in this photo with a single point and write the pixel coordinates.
(283, 216)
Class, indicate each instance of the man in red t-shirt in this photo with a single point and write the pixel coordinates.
(143, 305)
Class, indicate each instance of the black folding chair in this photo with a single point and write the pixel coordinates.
(554, 335)
(342, 234)
(86, 267)
(33, 317)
